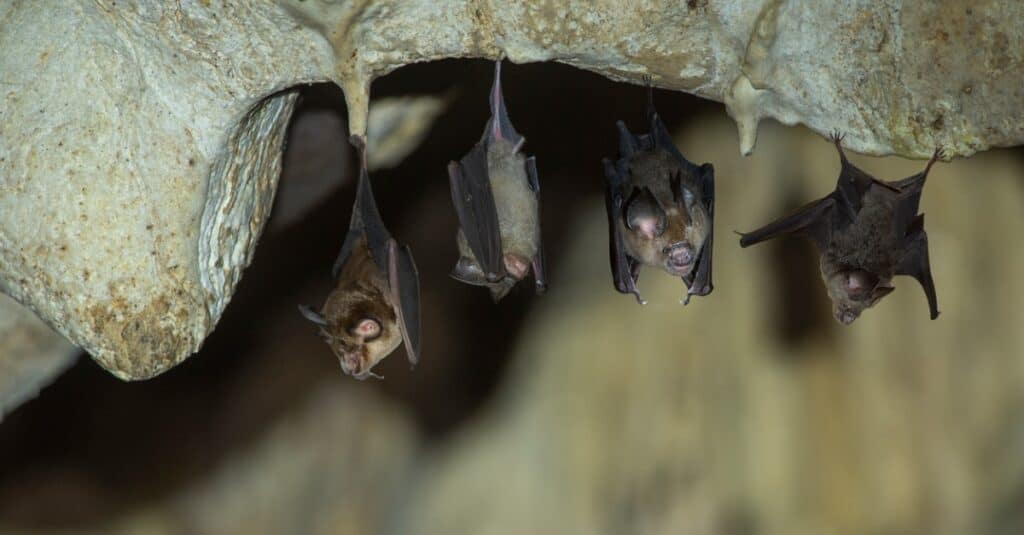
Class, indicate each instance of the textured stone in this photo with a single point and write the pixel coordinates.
(140, 141)
(31, 355)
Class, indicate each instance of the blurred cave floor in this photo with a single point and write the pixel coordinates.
(92, 451)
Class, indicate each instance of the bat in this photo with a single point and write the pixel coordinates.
(866, 231)
(661, 209)
(375, 303)
(496, 195)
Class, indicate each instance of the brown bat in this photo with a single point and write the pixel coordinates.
(867, 231)
(375, 304)
(497, 198)
(661, 209)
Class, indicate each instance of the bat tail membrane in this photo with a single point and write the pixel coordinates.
(915, 263)
(404, 283)
(500, 127)
(539, 274)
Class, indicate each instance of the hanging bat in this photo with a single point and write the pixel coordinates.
(866, 231)
(375, 304)
(497, 198)
(661, 209)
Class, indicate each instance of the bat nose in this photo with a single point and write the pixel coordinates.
(680, 253)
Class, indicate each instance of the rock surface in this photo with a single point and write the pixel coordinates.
(31, 355)
(140, 142)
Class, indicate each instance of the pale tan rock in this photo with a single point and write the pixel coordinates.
(140, 141)
(31, 355)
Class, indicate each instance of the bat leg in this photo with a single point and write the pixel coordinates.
(837, 138)
(939, 154)
(500, 125)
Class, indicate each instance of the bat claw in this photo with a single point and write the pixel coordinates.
(837, 138)
(939, 154)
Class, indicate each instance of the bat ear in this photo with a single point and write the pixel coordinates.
(880, 292)
(313, 316)
(644, 213)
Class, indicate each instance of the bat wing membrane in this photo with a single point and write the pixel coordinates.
(622, 268)
(539, 275)
(404, 283)
(813, 220)
(478, 215)
(915, 263)
(698, 282)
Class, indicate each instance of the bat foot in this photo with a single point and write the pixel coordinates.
(939, 154)
(837, 138)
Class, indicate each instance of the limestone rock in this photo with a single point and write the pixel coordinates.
(140, 142)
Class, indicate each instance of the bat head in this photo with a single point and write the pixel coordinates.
(853, 291)
(668, 235)
(360, 327)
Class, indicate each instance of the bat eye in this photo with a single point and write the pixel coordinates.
(368, 329)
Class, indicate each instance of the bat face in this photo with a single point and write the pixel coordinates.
(664, 222)
(362, 325)
(660, 210)
(852, 291)
(358, 320)
(867, 231)
(495, 191)
(374, 306)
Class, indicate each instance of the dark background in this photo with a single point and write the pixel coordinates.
(91, 446)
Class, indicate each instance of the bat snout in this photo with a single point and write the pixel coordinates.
(679, 258)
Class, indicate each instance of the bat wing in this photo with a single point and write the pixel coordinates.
(404, 283)
(622, 267)
(659, 138)
(478, 215)
(851, 187)
(908, 201)
(500, 127)
(366, 220)
(351, 238)
(539, 275)
(915, 263)
(698, 282)
(814, 220)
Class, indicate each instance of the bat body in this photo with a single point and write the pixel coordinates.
(496, 196)
(867, 231)
(374, 305)
(660, 210)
